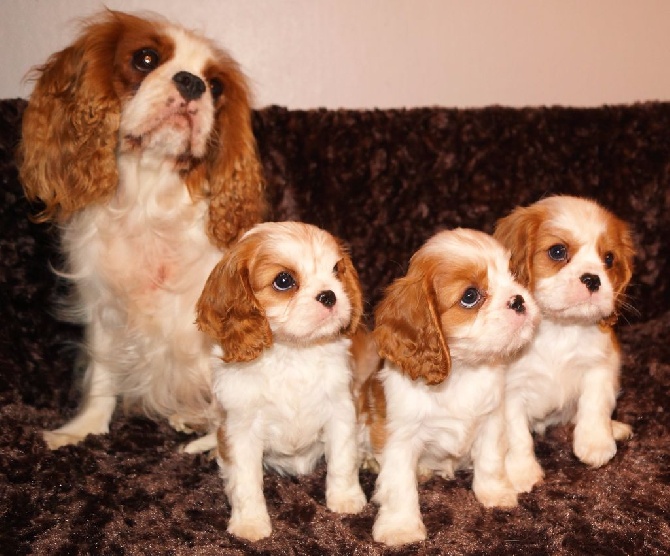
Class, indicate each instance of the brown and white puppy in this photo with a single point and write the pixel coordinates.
(576, 259)
(447, 331)
(137, 140)
(282, 306)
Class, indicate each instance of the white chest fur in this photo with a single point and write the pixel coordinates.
(286, 397)
(446, 418)
(550, 373)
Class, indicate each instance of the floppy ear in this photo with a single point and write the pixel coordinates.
(235, 175)
(408, 331)
(229, 312)
(622, 270)
(67, 152)
(517, 232)
(349, 277)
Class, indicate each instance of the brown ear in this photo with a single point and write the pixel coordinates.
(229, 312)
(352, 286)
(67, 152)
(517, 232)
(622, 271)
(234, 171)
(408, 331)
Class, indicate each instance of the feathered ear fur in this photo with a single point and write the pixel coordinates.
(622, 271)
(235, 175)
(408, 331)
(67, 152)
(349, 278)
(229, 312)
(517, 232)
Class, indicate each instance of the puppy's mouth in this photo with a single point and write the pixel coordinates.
(175, 130)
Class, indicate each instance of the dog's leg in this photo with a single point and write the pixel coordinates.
(399, 518)
(490, 483)
(593, 441)
(522, 468)
(343, 489)
(241, 462)
(95, 412)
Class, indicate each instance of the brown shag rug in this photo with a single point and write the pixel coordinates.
(384, 181)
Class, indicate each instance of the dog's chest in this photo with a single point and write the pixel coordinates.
(146, 252)
(290, 394)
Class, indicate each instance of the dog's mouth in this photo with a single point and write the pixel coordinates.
(175, 130)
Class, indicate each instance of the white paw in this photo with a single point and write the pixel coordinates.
(397, 532)
(203, 444)
(621, 431)
(496, 495)
(351, 501)
(251, 528)
(523, 472)
(56, 439)
(593, 449)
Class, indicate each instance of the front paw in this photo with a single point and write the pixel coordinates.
(621, 431)
(501, 495)
(523, 472)
(56, 439)
(251, 528)
(350, 501)
(398, 531)
(594, 449)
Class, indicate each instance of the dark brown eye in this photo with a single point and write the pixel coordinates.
(216, 87)
(609, 260)
(470, 298)
(146, 60)
(283, 282)
(558, 252)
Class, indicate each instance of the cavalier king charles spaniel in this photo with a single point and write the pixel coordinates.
(576, 258)
(447, 332)
(282, 306)
(137, 141)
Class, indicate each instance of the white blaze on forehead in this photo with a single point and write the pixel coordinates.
(463, 245)
(192, 53)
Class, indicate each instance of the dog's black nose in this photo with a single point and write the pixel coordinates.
(190, 86)
(326, 298)
(591, 281)
(517, 304)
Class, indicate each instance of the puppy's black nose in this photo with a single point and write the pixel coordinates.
(517, 304)
(326, 298)
(190, 86)
(591, 281)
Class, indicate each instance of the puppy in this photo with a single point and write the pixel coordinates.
(137, 141)
(576, 258)
(282, 305)
(447, 331)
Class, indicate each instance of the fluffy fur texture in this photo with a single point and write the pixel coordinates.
(281, 305)
(137, 141)
(576, 258)
(447, 331)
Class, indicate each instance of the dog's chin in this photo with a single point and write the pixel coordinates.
(585, 313)
(306, 335)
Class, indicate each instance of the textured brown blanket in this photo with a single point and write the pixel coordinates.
(383, 181)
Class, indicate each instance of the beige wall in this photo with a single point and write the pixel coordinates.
(391, 53)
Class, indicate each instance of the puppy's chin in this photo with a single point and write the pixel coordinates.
(573, 305)
(495, 347)
(309, 330)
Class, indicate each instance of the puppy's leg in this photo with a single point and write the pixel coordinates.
(399, 518)
(240, 459)
(621, 431)
(593, 441)
(95, 412)
(343, 489)
(490, 483)
(523, 470)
